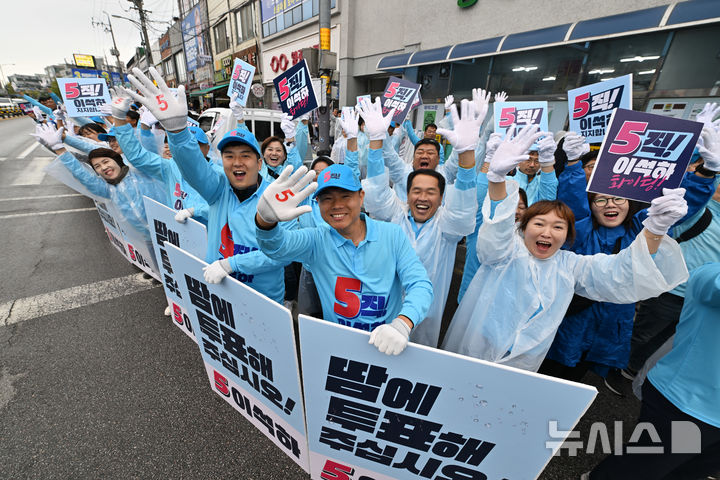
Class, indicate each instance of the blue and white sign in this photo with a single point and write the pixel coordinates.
(370, 415)
(191, 236)
(592, 106)
(247, 342)
(240, 80)
(83, 96)
(521, 114)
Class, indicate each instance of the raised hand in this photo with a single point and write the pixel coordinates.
(375, 124)
(170, 111)
(279, 202)
(511, 152)
(465, 135)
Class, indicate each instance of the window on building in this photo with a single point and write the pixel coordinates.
(278, 18)
(222, 41)
(692, 63)
(181, 68)
(168, 67)
(245, 21)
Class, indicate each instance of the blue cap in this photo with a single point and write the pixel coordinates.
(339, 176)
(240, 135)
(97, 120)
(105, 136)
(393, 124)
(199, 134)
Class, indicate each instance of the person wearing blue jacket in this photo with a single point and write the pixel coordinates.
(596, 335)
(680, 391)
(367, 273)
(231, 194)
(179, 195)
(112, 179)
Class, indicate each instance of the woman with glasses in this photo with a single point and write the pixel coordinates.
(596, 335)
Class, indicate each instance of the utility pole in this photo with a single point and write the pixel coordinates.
(324, 112)
(114, 52)
(138, 5)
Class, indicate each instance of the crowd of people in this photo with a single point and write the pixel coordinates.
(556, 280)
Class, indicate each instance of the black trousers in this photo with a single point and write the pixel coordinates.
(655, 322)
(659, 411)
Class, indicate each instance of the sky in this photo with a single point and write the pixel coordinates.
(37, 33)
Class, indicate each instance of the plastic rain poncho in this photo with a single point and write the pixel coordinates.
(435, 241)
(515, 302)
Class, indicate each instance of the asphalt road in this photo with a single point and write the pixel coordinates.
(97, 383)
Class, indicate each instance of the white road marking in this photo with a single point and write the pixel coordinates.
(27, 151)
(36, 214)
(2, 159)
(41, 197)
(34, 172)
(58, 301)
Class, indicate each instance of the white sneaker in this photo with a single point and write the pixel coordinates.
(167, 311)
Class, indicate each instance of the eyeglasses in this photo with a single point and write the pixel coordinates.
(601, 202)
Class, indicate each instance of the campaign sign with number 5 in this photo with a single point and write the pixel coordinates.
(83, 96)
(240, 80)
(591, 106)
(294, 90)
(520, 114)
(643, 153)
(402, 95)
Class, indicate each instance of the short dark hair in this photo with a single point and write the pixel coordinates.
(133, 115)
(321, 158)
(92, 126)
(543, 207)
(324, 152)
(428, 141)
(105, 152)
(430, 125)
(523, 196)
(426, 171)
(588, 157)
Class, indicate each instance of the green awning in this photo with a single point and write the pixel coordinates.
(198, 93)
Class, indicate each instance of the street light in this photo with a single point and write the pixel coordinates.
(2, 76)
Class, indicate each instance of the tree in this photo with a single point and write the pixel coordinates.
(55, 88)
(9, 88)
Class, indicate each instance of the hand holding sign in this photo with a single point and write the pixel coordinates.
(511, 152)
(391, 338)
(464, 136)
(708, 113)
(216, 271)
(546, 150)
(237, 109)
(288, 126)
(375, 124)
(279, 202)
(170, 111)
(664, 211)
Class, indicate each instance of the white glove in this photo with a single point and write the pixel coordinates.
(170, 111)
(546, 150)
(710, 148)
(279, 202)
(48, 136)
(304, 117)
(38, 114)
(120, 103)
(288, 126)
(105, 109)
(391, 338)
(575, 146)
(349, 123)
(492, 145)
(237, 109)
(449, 100)
(375, 124)
(216, 271)
(511, 152)
(501, 97)
(708, 113)
(59, 115)
(665, 211)
(465, 135)
(182, 215)
(481, 100)
(147, 118)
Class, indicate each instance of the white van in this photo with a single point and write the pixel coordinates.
(264, 123)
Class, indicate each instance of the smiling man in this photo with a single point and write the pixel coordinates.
(433, 229)
(232, 194)
(367, 275)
